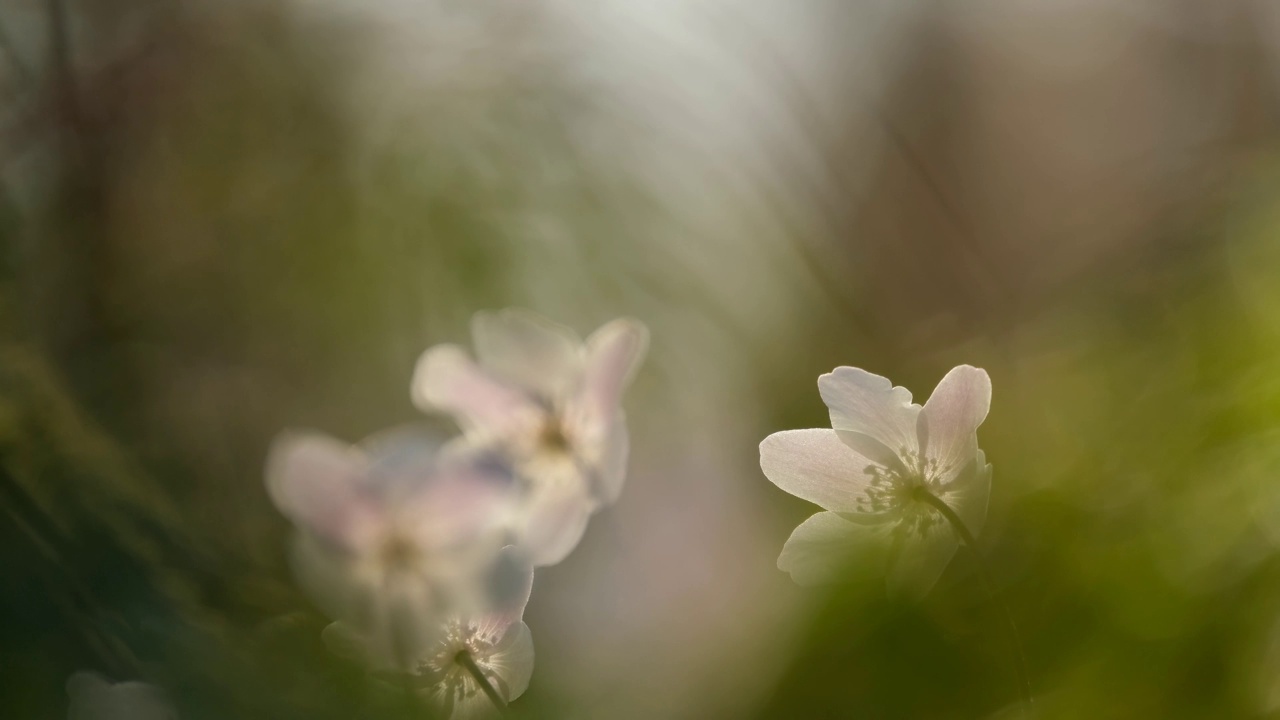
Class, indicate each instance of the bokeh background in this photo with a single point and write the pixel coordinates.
(219, 219)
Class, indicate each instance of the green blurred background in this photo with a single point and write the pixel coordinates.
(222, 219)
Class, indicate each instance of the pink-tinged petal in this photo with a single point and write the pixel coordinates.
(461, 503)
(447, 380)
(815, 465)
(553, 522)
(919, 561)
(613, 354)
(528, 351)
(868, 404)
(822, 546)
(953, 413)
(318, 483)
(512, 661)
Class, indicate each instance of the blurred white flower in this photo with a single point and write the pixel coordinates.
(93, 698)
(495, 644)
(873, 470)
(552, 404)
(393, 534)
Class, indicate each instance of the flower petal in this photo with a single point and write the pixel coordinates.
(861, 402)
(953, 413)
(406, 620)
(822, 545)
(873, 449)
(815, 465)
(554, 521)
(330, 579)
(606, 459)
(512, 661)
(920, 560)
(446, 379)
(510, 583)
(613, 354)
(970, 492)
(528, 350)
(474, 705)
(459, 503)
(318, 483)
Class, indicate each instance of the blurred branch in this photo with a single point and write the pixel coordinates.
(14, 59)
(60, 57)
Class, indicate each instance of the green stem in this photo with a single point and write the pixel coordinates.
(1015, 639)
(465, 660)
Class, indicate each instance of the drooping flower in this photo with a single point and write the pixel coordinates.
(549, 402)
(392, 534)
(93, 698)
(495, 644)
(872, 471)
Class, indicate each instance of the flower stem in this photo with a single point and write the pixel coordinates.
(1015, 639)
(465, 660)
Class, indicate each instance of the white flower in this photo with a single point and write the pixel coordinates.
(871, 470)
(93, 698)
(496, 644)
(552, 404)
(392, 534)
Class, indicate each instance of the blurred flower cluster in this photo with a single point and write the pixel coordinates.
(422, 549)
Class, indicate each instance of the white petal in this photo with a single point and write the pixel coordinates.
(330, 580)
(815, 465)
(396, 615)
(461, 503)
(405, 622)
(528, 350)
(824, 544)
(554, 520)
(953, 413)
(510, 583)
(970, 492)
(613, 354)
(512, 661)
(870, 405)
(606, 459)
(447, 380)
(402, 449)
(318, 483)
(475, 706)
(920, 560)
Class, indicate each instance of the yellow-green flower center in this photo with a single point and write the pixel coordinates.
(898, 491)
